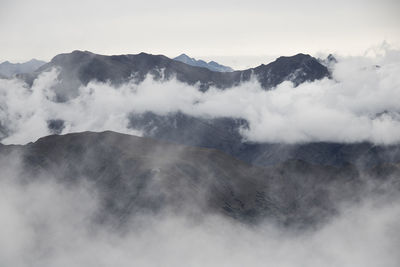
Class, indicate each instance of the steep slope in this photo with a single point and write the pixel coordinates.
(136, 175)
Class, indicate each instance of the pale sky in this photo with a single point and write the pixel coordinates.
(203, 29)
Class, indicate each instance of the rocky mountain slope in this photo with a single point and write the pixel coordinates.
(135, 175)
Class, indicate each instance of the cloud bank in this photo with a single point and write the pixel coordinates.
(45, 223)
(359, 103)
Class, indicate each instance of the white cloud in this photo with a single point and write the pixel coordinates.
(360, 103)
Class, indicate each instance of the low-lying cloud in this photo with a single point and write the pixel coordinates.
(44, 223)
(359, 103)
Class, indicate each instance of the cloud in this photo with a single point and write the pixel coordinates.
(359, 104)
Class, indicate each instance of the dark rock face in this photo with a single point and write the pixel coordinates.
(80, 67)
(136, 175)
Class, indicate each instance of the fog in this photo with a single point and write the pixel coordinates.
(46, 223)
(359, 103)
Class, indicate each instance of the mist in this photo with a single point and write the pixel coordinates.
(47, 223)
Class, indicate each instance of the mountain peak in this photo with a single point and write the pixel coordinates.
(297, 57)
(297, 69)
(183, 55)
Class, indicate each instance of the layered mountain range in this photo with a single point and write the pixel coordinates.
(223, 133)
(197, 164)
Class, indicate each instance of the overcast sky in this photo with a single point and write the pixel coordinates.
(207, 28)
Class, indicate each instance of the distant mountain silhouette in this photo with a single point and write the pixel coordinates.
(8, 69)
(212, 65)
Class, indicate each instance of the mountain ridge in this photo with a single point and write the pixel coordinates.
(81, 67)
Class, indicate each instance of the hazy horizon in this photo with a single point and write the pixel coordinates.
(224, 31)
(240, 61)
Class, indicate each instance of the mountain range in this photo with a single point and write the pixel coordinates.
(223, 133)
(81, 67)
(195, 164)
